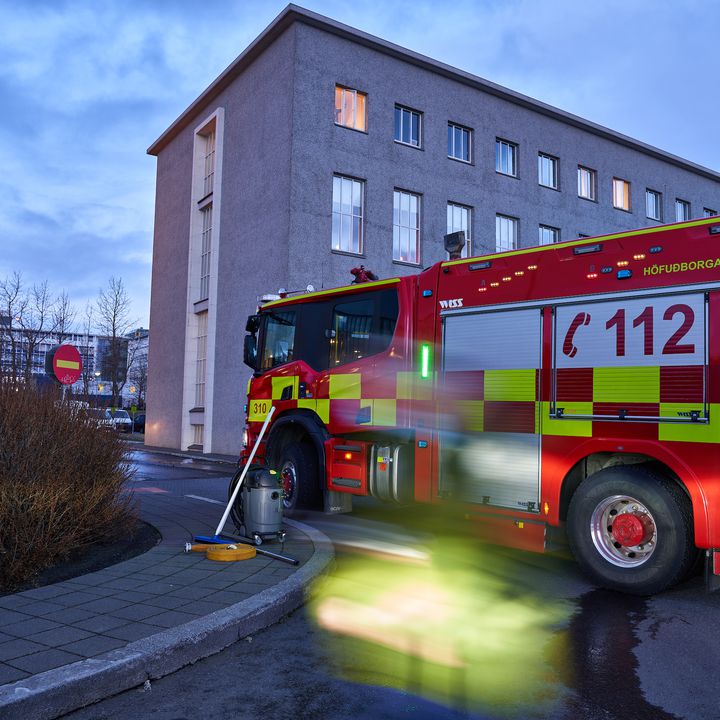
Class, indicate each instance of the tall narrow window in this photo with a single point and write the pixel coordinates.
(406, 227)
(347, 215)
(201, 359)
(459, 139)
(209, 164)
(548, 171)
(350, 108)
(621, 194)
(548, 235)
(653, 204)
(459, 218)
(587, 181)
(407, 126)
(205, 250)
(506, 233)
(708, 212)
(682, 210)
(506, 157)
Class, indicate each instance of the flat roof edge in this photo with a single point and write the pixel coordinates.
(294, 13)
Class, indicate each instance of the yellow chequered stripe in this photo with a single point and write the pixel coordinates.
(568, 427)
(280, 383)
(258, 409)
(510, 385)
(626, 385)
(345, 386)
(410, 386)
(472, 413)
(690, 431)
(321, 407)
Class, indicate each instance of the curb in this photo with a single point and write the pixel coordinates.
(55, 692)
(187, 454)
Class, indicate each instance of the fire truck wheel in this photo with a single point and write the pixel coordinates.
(298, 471)
(630, 528)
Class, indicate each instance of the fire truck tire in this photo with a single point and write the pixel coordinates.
(299, 475)
(630, 528)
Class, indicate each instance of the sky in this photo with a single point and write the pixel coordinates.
(86, 86)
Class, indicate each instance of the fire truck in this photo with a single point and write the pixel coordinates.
(571, 388)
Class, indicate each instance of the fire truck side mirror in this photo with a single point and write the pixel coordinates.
(454, 243)
(250, 351)
(252, 324)
(329, 334)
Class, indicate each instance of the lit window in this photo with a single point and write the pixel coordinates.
(548, 171)
(548, 235)
(205, 249)
(506, 157)
(653, 204)
(682, 210)
(707, 212)
(506, 233)
(350, 108)
(587, 181)
(406, 227)
(458, 218)
(459, 139)
(621, 194)
(407, 126)
(347, 215)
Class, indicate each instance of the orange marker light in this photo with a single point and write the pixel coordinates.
(348, 456)
(532, 267)
(494, 284)
(592, 276)
(519, 272)
(623, 263)
(507, 278)
(639, 256)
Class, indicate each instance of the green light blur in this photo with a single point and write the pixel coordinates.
(425, 361)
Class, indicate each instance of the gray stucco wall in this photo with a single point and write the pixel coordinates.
(168, 297)
(322, 148)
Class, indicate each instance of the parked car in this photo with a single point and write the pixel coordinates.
(99, 416)
(122, 421)
(139, 423)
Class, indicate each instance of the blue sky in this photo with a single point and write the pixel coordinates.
(86, 87)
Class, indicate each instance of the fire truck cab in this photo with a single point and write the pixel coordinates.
(572, 386)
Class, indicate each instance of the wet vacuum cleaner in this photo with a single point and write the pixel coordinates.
(260, 506)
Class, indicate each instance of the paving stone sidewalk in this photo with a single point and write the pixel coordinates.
(91, 615)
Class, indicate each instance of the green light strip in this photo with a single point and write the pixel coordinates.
(424, 361)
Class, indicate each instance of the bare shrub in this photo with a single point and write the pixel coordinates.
(62, 483)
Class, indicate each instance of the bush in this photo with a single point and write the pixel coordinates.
(62, 483)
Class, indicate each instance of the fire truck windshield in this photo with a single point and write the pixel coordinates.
(330, 332)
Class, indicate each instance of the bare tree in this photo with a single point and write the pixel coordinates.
(138, 377)
(12, 307)
(113, 306)
(37, 324)
(63, 316)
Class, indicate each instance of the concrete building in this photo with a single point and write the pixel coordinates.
(320, 148)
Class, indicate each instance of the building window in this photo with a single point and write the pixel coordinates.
(459, 139)
(347, 215)
(406, 227)
(506, 233)
(209, 164)
(548, 171)
(350, 108)
(653, 204)
(459, 218)
(621, 194)
(682, 210)
(506, 157)
(407, 126)
(587, 182)
(198, 435)
(205, 250)
(201, 359)
(707, 212)
(548, 235)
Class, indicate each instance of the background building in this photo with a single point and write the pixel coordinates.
(321, 148)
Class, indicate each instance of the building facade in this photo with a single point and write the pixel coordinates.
(322, 148)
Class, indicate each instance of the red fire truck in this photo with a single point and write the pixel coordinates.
(573, 386)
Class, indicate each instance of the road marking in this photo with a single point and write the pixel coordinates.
(210, 500)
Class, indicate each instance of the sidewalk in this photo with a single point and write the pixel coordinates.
(66, 645)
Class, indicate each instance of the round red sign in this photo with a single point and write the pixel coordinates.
(67, 364)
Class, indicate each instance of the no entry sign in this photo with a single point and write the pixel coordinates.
(64, 363)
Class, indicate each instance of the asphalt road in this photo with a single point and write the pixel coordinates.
(535, 638)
